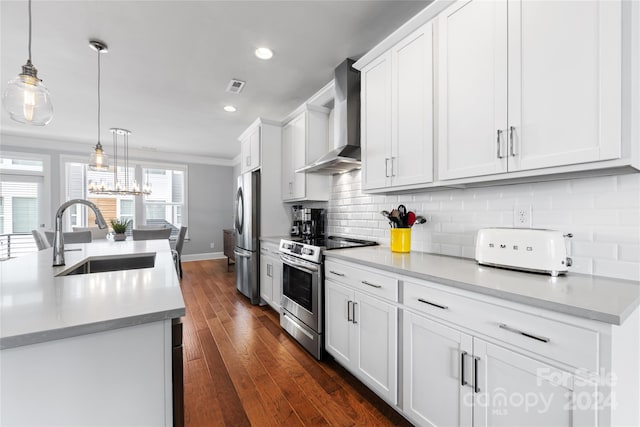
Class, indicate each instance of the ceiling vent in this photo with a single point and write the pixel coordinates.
(235, 86)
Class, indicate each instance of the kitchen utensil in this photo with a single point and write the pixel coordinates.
(420, 220)
(402, 215)
(411, 218)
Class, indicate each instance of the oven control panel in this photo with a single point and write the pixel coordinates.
(301, 250)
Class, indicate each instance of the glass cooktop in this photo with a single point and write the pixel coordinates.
(338, 242)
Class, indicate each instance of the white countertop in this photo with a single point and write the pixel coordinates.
(275, 239)
(591, 297)
(36, 306)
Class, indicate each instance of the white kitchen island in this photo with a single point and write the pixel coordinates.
(88, 349)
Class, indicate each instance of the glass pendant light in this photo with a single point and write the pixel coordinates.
(26, 99)
(99, 160)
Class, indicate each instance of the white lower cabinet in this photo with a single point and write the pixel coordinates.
(433, 394)
(458, 358)
(361, 333)
(270, 275)
(451, 378)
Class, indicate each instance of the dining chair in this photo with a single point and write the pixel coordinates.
(71, 236)
(177, 252)
(150, 233)
(41, 240)
(96, 232)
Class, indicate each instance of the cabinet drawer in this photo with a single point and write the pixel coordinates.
(361, 279)
(569, 344)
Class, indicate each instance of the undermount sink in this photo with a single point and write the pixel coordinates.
(112, 263)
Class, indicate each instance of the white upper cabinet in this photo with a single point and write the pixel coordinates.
(397, 114)
(565, 84)
(304, 139)
(250, 149)
(528, 84)
(376, 122)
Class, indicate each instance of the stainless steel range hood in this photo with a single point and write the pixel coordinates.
(346, 111)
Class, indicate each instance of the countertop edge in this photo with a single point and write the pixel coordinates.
(509, 296)
(86, 329)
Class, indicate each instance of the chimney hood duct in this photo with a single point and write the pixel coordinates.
(346, 112)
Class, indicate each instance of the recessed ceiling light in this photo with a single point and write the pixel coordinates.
(264, 53)
(230, 108)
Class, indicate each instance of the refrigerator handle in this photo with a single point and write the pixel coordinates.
(242, 254)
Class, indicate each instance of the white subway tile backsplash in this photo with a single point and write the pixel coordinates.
(629, 253)
(595, 250)
(619, 269)
(603, 213)
(603, 184)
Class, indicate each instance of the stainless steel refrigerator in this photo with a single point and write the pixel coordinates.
(247, 227)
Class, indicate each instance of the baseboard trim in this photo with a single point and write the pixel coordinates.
(203, 256)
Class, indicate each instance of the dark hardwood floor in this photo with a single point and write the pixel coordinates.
(241, 369)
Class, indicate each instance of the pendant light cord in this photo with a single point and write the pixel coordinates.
(29, 31)
(98, 95)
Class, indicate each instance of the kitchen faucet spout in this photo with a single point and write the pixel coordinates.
(58, 240)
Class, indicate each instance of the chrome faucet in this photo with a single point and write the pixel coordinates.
(58, 239)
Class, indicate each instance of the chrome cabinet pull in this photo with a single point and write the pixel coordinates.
(349, 316)
(499, 151)
(512, 130)
(392, 173)
(443, 307)
(336, 273)
(475, 374)
(373, 285)
(353, 314)
(463, 381)
(526, 334)
(386, 167)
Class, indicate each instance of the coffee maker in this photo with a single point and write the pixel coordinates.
(312, 224)
(307, 223)
(296, 220)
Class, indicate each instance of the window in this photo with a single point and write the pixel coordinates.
(1, 215)
(165, 206)
(24, 212)
(24, 205)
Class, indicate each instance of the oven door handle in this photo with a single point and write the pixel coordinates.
(300, 266)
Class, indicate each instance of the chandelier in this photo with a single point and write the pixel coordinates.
(121, 187)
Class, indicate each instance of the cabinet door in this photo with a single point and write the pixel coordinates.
(276, 300)
(294, 157)
(338, 300)
(472, 85)
(517, 390)
(254, 149)
(375, 339)
(376, 123)
(412, 106)
(564, 82)
(433, 393)
(245, 155)
(287, 162)
(266, 277)
(299, 158)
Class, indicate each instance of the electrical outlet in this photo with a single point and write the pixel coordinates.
(522, 216)
(212, 245)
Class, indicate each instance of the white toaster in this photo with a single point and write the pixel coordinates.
(527, 249)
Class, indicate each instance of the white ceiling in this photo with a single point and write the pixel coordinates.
(169, 63)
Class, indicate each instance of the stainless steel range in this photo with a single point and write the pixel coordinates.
(302, 314)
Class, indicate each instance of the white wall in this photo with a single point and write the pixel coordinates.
(603, 214)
